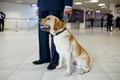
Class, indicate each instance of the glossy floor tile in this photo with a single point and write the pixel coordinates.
(19, 49)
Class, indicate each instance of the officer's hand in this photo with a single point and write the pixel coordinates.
(67, 11)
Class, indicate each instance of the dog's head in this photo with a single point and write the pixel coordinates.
(52, 24)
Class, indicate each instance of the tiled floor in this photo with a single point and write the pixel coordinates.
(19, 49)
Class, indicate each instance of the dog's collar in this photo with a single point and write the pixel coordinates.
(60, 32)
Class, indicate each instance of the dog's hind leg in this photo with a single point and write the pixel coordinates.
(84, 68)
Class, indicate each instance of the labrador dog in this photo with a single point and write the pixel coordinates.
(66, 45)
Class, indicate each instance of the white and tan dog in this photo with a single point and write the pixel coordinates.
(66, 45)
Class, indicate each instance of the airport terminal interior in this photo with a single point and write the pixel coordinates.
(19, 41)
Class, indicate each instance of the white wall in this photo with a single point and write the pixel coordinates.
(21, 11)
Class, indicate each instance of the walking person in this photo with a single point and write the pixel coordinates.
(102, 21)
(2, 17)
(92, 22)
(109, 21)
(118, 21)
(45, 8)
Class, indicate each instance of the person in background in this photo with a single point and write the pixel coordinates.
(92, 22)
(102, 21)
(45, 8)
(2, 17)
(109, 21)
(118, 21)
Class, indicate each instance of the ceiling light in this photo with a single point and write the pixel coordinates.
(97, 11)
(94, 1)
(19, 1)
(102, 4)
(77, 3)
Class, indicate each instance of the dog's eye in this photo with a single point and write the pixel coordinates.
(48, 18)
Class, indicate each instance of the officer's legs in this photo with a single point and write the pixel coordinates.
(43, 37)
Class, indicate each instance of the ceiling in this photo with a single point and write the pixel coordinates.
(94, 6)
(86, 4)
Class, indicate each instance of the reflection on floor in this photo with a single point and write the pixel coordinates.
(19, 49)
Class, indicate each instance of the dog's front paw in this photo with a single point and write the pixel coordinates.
(59, 67)
(67, 74)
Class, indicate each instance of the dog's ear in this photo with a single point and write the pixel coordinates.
(58, 24)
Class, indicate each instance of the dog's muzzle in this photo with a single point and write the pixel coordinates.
(44, 27)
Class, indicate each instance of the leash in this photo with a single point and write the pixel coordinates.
(66, 18)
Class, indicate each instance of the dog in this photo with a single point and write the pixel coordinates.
(66, 45)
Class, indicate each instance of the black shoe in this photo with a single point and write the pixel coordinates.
(51, 66)
(40, 62)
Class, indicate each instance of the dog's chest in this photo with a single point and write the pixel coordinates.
(62, 44)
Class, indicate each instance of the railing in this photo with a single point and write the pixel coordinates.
(98, 23)
(20, 23)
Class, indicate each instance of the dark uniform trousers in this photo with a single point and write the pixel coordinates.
(44, 49)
